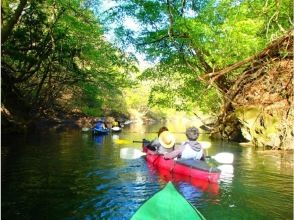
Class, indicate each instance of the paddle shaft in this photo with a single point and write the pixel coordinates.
(141, 141)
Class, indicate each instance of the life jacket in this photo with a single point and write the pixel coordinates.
(99, 125)
(115, 124)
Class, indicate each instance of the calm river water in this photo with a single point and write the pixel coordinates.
(68, 174)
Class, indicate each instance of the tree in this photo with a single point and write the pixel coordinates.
(54, 54)
(190, 40)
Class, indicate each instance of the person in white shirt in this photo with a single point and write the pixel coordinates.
(190, 149)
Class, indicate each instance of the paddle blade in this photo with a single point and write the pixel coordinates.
(205, 144)
(224, 157)
(122, 141)
(131, 153)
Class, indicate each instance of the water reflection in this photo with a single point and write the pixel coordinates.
(99, 139)
(72, 175)
(190, 192)
(227, 173)
(115, 137)
(166, 176)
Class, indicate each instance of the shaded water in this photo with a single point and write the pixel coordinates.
(71, 175)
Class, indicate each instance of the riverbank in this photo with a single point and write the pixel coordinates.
(51, 119)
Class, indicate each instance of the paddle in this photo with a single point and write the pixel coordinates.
(223, 157)
(116, 128)
(132, 153)
(122, 141)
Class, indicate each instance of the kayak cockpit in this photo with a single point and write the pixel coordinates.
(198, 164)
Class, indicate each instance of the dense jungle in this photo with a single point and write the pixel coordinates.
(229, 63)
(147, 109)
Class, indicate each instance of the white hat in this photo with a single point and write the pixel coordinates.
(166, 139)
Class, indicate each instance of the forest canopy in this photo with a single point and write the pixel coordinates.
(54, 54)
(83, 54)
(188, 39)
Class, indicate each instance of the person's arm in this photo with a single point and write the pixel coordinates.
(174, 153)
(153, 145)
(150, 147)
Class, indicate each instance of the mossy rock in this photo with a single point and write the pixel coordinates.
(266, 128)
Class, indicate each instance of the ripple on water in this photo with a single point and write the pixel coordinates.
(70, 177)
(122, 199)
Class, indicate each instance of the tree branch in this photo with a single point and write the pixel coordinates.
(7, 29)
(267, 52)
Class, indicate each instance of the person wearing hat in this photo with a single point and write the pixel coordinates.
(164, 143)
(190, 149)
(100, 124)
(167, 142)
(154, 144)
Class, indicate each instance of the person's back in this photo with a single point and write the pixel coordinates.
(190, 148)
(99, 125)
(154, 144)
(167, 142)
(158, 145)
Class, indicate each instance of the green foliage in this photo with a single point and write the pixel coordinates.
(57, 53)
(58, 50)
(137, 97)
(188, 39)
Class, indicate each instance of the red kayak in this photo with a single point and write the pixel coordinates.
(194, 169)
(165, 176)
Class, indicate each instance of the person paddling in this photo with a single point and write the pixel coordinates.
(190, 149)
(154, 144)
(100, 124)
(164, 143)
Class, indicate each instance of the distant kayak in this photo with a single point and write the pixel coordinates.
(100, 128)
(100, 131)
(116, 129)
(167, 204)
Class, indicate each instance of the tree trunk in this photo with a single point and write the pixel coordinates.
(7, 29)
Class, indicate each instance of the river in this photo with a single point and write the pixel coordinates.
(69, 174)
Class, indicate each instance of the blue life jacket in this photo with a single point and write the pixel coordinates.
(99, 125)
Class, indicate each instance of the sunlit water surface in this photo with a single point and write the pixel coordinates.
(71, 175)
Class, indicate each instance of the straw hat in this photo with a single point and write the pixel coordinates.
(166, 139)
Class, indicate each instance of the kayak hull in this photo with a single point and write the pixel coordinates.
(194, 169)
(167, 204)
(116, 129)
(166, 176)
(98, 131)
